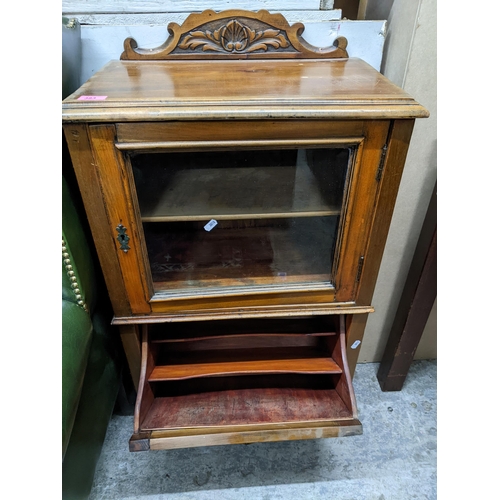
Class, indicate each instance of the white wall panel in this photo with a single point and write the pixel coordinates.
(129, 6)
(410, 61)
(101, 44)
(162, 19)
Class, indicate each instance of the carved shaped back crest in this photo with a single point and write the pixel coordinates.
(234, 34)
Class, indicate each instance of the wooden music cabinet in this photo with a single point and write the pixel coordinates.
(239, 184)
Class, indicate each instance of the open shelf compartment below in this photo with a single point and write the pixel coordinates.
(216, 387)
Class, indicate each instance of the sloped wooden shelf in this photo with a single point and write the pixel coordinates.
(267, 366)
(194, 336)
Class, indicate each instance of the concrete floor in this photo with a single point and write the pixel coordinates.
(394, 458)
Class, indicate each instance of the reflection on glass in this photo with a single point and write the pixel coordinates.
(240, 218)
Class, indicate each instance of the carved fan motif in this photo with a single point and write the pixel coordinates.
(234, 34)
(234, 37)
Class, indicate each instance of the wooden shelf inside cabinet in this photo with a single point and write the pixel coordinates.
(212, 381)
(308, 362)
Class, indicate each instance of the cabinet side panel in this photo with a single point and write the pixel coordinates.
(84, 166)
(132, 347)
(397, 148)
(145, 395)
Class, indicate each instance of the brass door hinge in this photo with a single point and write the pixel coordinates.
(360, 268)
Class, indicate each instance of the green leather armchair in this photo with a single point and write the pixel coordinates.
(91, 356)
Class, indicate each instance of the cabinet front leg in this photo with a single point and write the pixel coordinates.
(355, 329)
(132, 347)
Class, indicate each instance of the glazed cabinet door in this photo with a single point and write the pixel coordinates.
(237, 214)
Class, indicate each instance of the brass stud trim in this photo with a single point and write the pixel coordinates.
(71, 275)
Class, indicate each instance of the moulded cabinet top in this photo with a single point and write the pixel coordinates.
(238, 89)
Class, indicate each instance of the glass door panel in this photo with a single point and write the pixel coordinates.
(241, 218)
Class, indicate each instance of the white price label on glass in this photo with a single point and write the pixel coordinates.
(210, 225)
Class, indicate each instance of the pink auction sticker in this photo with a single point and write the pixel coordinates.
(92, 98)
